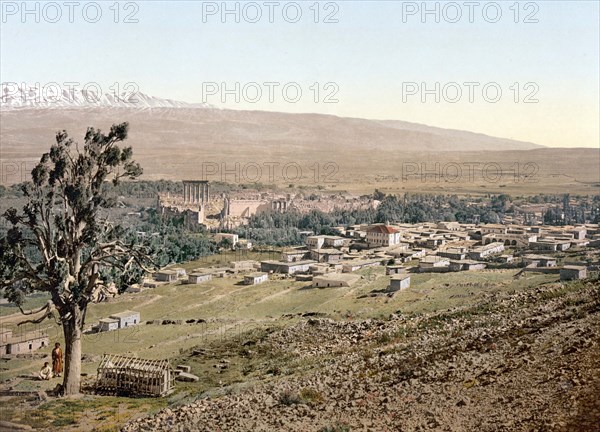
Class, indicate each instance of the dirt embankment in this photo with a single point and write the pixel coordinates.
(515, 362)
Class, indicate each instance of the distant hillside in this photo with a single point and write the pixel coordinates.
(173, 143)
(274, 133)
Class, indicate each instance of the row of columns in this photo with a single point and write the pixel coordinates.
(195, 192)
(279, 206)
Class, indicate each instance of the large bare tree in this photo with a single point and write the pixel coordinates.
(63, 243)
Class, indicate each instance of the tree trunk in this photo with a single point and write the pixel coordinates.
(72, 367)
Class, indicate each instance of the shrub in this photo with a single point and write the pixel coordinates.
(289, 398)
(308, 395)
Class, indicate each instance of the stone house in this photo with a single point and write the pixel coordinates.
(434, 263)
(462, 265)
(107, 324)
(571, 272)
(126, 318)
(394, 269)
(295, 255)
(285, 267)
(539, 261)
(326, 255)
(457, 253)
(355, 265)
(481, 252)
(399, 282)
(255, 278)
(335, 280)
(166, 276)
(22, 343)
(197, 278)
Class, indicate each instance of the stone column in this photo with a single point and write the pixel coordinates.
(185, 186)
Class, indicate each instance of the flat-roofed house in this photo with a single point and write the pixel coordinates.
(326, 255)
(434, 241)
(181, 273)
(506, 258)
(550, 245)
(354, 265)
(394, 269)
(434, 263)
(285, 267)
(334, 280)
(399, 282)
(460, 265)
(294, 255)
(579, 233)
(108, 324)
(245, 265)
(333, 241)
(448, 226)
(493, 229)
(126, 318)
(255, 278)
(539, 261)
(486, 250)
(315, 242)
(383, 235)
(22, 343)
(166, 276)
(571, 272)
(198, 278)
(454, 253)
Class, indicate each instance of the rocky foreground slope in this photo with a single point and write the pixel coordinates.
(527, 361)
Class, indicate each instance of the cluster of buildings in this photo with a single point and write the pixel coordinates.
(117, 321)
(403, 249)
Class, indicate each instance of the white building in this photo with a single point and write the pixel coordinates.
(433, 263)
(126, 318)
(255, 278)
(383, 235)
(319, 241)
(166, 276)
(197, 278)
(399, 282)
(108, 324)
(571, 272)
(335, 280)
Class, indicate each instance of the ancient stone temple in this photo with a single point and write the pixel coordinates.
(196, 191)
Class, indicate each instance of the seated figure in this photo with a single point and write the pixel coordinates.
(46, 372)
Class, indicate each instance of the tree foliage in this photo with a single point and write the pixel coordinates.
(62, 242)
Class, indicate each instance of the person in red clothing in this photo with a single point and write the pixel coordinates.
(57, 360)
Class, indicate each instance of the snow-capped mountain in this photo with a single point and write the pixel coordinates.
(22, 96)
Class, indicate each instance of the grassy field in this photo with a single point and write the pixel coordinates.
(233, 314)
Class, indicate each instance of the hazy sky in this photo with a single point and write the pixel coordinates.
(377, 58)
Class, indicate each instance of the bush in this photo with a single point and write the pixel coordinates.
(289, 398)
(309, 395)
